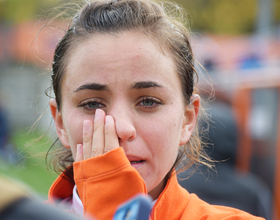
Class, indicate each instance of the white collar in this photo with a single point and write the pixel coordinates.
(77, 205)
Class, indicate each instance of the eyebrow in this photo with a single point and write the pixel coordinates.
(93, 86)
(101, 87)
(145, 85)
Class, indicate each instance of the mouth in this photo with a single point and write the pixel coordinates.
(137, 164)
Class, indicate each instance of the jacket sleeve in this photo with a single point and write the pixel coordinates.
(106, 181)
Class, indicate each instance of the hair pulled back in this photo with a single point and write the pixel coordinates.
(145, 16)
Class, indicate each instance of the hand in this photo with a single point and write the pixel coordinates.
(99, 137)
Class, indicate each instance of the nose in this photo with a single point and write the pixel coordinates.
(124, 125)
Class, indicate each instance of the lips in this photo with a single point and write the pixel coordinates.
(135, 162)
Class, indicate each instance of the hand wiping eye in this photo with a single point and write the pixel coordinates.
(99, 136)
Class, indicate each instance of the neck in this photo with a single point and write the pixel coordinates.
(154, 193)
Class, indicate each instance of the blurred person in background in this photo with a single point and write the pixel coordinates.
(16, 202)
(8, 153)
(227, 186)
(4, 131)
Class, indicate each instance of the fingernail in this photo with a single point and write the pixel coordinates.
(80, 148)
(87, 125)
(98, 113)
(108, 119)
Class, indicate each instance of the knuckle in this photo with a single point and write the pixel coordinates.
(97, 127)
(87, 140)
(107, 150)
(95, 152)
(107, 132)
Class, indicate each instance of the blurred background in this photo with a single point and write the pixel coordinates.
(237, 42)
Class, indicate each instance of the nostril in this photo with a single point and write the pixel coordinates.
(124, 129)
(126, 137)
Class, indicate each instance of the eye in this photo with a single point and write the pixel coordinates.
(149, 102)
(91, 105)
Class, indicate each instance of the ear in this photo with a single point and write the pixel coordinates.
(189, 121)
(60, 130)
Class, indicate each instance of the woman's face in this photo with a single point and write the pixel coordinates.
(130, 78)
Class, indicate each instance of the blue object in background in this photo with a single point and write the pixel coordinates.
(138, 208)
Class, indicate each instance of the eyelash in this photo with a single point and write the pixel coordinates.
(86, 104)
(155, 103)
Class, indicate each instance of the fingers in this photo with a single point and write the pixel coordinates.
(111, 138)
(87, 138)
(79, 154)
(98, 139)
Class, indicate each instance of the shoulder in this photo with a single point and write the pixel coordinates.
(198, 209)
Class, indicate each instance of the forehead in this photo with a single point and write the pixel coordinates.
(110, 57)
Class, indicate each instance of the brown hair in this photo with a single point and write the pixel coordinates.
(148, 17)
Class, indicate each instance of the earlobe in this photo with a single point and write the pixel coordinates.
(189, 121)
(57, 117)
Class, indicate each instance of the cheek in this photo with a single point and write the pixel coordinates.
(75, 134)
(163, 133)
(74, 129)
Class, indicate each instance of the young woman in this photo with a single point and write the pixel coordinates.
(125, 107)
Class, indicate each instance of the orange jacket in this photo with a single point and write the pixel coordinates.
(106, 181)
